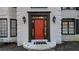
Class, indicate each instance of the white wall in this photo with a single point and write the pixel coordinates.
(11, 14)
(55, 28)
(3, 11)
(70, 14)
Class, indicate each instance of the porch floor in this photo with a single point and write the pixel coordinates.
(66, 46)
(11, 47)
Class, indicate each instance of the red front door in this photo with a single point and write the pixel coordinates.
(39, 29)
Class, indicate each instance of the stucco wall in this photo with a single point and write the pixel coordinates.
(11, 14)
(3, 12)
(55, 28)
(70, 14)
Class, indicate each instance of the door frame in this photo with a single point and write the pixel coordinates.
(30, 14)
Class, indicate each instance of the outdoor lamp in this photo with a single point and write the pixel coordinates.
(24, 19)
(54, 19)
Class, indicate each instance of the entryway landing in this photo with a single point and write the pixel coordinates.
(39, 45)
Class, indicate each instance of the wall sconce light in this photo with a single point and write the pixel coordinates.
(54, 19)
(24, 19)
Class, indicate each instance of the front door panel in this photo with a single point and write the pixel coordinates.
(39, 29)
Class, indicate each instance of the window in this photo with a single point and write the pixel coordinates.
(14, 7)
(77, 8)
(39, 7)
(13, 27)
(68, 8)
(65, 30)
(3, 27)
(77, 26)
(68, 26)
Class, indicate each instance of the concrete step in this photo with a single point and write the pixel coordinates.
(32, 46)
